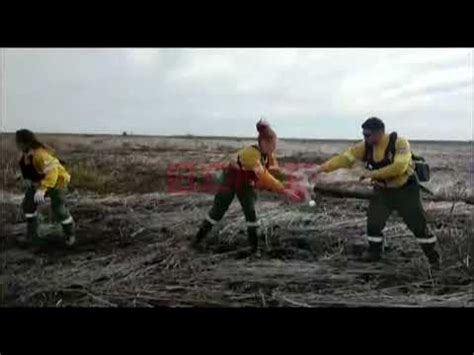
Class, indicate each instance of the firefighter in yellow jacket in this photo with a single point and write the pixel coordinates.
(390, 167)
(45, 176)
(253, 168)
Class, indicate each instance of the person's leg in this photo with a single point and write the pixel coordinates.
(31, 215)
(411, 210)
(377, 214)
(246, 196)
(62, 214)
(222, 201)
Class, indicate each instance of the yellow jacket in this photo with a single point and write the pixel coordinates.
(393, 175)
(45, 163)
(251, 160)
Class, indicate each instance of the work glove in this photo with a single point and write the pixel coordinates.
(291, 195)
(296, 194)
(39, 196)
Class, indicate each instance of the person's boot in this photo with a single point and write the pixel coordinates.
(32, 230)
(204, 230)
(374, 253)
(432, 254)
(253, 240)
(69, 233)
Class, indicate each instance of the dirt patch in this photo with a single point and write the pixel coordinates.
(129, 254)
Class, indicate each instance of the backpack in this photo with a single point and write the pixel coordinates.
(422, 169)
(28, 171)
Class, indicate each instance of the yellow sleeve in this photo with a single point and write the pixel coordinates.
(346, 159)
(48, 165)
(269, 182)
(250, 159)
(400, 163)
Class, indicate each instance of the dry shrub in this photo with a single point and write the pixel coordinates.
(56, 143)
(98, 141)
(87, 176)
(8, 165)
(456, 244)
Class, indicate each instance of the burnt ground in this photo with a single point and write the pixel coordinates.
(133, 251)
(133, 237)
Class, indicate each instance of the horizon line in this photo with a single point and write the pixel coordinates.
(180, 136)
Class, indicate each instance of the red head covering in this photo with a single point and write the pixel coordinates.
(265, 132)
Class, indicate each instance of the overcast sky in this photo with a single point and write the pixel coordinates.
(307, 93)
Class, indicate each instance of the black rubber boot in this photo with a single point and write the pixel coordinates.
(204, 230)
(252, 233)
(374, 253)
(432, 254)
(32, 230)
(69, 234)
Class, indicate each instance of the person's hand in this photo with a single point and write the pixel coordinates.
(297, 194)
(39, 196)
(364, 176)
(291, 195)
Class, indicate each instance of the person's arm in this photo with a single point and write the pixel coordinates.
(344, 160)
(400, 163)
(274, 168)
(48, 165)
(267, 181)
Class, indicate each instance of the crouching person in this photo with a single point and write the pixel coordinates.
(252, 170)
(45, 176)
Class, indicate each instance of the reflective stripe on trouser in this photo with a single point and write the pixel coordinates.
(68, 229)
(246, 196)
(28, 204)
(60, 211)
(68, 220)
(68, 226)
(407, 202)
(252, 224)
(431, 240)
(375, 239)
(58, 205)
(376, 245)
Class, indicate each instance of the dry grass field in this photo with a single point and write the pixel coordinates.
(133, 233)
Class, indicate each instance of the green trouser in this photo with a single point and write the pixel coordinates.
(222, 200)
(406, 201)
(58, 206)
